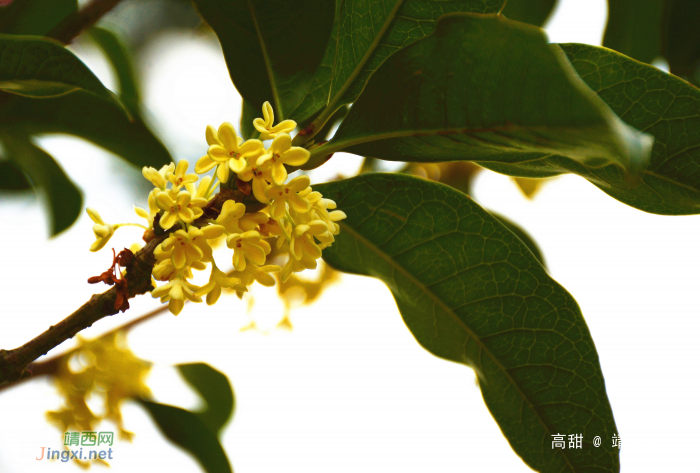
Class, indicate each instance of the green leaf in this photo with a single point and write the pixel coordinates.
(522, 235)
(682, 39)
(60, 195)
(489, 89)
(12, 178)
(367, 34)
(35, 17)
(120, 59)
(272, 47)
(84, 115)
(188, 431)
(215, 389)
(471, 292)
(634, 28)
(534, 12)
(32, 66)
(248, 114)
(650, 100)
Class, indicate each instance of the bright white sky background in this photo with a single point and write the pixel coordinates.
(349, 389)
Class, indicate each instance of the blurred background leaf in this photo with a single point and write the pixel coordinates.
(215, 389)
(35, 17)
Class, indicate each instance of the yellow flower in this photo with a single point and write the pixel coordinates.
(103, 231)
(282, 152)
(217, 280)
(158, 177)
(302, 245)
(178, 209)
(230, 214)
(229, 154)
(260, 175)
(257, 273)
(199, 237)
(247, 246)
(180, 177)
(288, 193)
(182, 249)
(264, 126)
(176, 292)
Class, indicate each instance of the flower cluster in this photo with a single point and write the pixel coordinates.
(288, 216)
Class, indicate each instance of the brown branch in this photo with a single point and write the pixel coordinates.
(81, 20)
(13, 363)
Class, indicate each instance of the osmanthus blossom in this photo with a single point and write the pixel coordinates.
(301, 221)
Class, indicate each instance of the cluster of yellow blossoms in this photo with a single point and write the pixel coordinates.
(296, 219)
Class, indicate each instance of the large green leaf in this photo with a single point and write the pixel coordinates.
(34, 17)
(522, 235)
(272, 47)
(682, 38)
(489, 89)
(634, 28)
(367, 33)
(120, 58)
(12, 178)
(33, 66)
(473, 293)
(534, 12)
(81, 114)
(60, 195)
(215, 389)
(653, 101)
(187, 430)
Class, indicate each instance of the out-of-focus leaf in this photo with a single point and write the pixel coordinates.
(682, 38)
(366, 35)
(474, 91)
(534, 12)
(187, 430)
(61, 196)
(471, 292)
(120, 59)
(86, 116)
(215, 389)
(634, 28)
(648, 99)
(248, 114)
(12, 178)
(522, 234)
(34, 17)
(33, 66)
(272, 47)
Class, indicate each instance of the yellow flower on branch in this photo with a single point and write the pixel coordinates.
(218, 280)
(287, 193)
(231, 213)
(229, 154)
(265, 125)
(247, 246)
(175, 210)
(175, 293)
(180, 177)
(282, 152)
(158, 177)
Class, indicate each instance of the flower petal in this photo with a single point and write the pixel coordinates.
(228, 137)
(279, 174)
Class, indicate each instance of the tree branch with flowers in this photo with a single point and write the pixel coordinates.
(472, 82)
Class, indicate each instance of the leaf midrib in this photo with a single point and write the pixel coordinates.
(374, 248)
(333, 101)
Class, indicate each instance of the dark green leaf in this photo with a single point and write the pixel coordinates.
(188, 431)
(34, 17)
(682, 38)
(470, 291)
(215, 389)
(634, 28)
(650, 100)
(39, 67)
(368, 33)
(489, 89)
(534, 12)
(248, 114)
(84, 115)
(12, 178)
(522, 234)
(272, 47)
(120, 59)
(60, 195)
